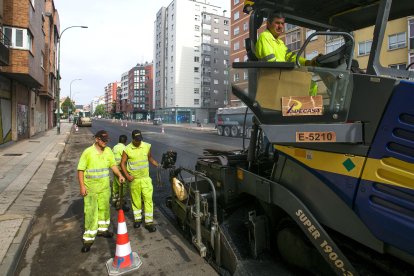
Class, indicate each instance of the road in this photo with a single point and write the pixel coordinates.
(54, 243)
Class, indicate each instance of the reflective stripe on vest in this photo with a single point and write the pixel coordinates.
(103, 173)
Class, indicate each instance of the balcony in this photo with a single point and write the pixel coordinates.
(4, 49)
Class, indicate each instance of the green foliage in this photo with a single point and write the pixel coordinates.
(68, 107)
(100, 110)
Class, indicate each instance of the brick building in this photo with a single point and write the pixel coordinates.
(30, 31)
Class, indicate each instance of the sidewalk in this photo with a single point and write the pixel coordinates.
(26, 171)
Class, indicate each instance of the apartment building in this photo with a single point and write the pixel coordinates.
(140, 92)
(122, 95)
(189, 35)
(97, 101)
(111, 96)
(30, 31)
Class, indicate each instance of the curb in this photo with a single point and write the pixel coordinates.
(14, 253)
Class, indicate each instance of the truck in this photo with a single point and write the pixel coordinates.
(334, 193)
(234, 121)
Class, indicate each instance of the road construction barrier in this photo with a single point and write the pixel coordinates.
(125, 260)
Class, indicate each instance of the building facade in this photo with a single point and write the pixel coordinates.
(27, 81)
(178, 60)
(111, 96)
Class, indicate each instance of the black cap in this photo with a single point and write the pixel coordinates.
(102, 135)
(136, 135)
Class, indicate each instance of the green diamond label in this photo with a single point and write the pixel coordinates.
(349, 165)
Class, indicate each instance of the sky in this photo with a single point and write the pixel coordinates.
(119, 35)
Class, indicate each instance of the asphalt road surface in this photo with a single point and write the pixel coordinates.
(54, 243)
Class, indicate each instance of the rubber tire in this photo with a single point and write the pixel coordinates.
(234, 131)
(226, 131)
(220, 131)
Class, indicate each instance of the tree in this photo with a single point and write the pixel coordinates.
(68, 106)
(100, 110)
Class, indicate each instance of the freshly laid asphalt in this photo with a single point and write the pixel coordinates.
(27, 169)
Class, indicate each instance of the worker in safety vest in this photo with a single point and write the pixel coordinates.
(135, 165)
(93, 176)
(270, 47)
(116, 200)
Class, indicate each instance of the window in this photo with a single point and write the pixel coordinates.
(19, 38)
(246, 75)
(197, 17)
(293, 40)
(206, 48)
(396, 41)
(236, 60)
(225, 82)
(289, 26)
(245, 58)
(196, 59)
(364, 47)
(215, 81)
(226, 22)
(197, 90)
(196, 28)
(216, 20)
(226, 32)
(216, 30)
(226, 52)
(226, 72)
(334, 44)
(411, 59)
(236, 2)
(216, 71)
(236, 30)
(236, 77)
(216, 40)
(311, 55)
(196, 69)
(226, 42)
(236, 46)
(236, 15)
(401, 66)
(245, 26)
(206, 39)
(309, 32)
(196, 101)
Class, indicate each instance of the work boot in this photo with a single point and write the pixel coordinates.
(151, 228)
(105, 234)
(137, 224)
(86, 247)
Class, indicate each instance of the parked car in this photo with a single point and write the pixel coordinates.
(157, 121)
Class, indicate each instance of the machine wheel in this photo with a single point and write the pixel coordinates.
(227, 131)
(234, 131)
(220, 130)
(296, 250)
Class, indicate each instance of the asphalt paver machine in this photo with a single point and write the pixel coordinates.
(326, 184)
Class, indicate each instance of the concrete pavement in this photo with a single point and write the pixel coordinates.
(27, 169)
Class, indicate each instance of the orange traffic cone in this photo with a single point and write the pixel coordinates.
(125, 260)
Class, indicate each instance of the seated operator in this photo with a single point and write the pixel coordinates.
(270, 47)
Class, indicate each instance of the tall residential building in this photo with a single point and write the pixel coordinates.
(140, 83)
(190, 40)
(122, 102)
(30, 31)
(110, 96)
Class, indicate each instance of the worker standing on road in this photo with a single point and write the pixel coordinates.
(135, 165)
(93, 176)
(116, 200)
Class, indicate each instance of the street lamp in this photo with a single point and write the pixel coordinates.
(176, 114)
(70, 95)
(58, 78)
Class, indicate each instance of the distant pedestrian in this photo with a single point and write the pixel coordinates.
(93, 176)
(116, 200)
(135, 165)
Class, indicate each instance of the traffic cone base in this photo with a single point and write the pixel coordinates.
(135, 264)
(125, 260)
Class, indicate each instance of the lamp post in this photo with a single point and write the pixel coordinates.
(58, 78)
(176, 114)
(70, 95)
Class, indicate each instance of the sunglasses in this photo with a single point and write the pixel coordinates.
(105, 140)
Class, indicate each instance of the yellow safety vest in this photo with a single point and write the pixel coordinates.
(268, 48)
(137, 163)
(118, 150)
(96, 167)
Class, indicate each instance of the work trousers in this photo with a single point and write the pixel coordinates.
(116, 191)
(141, 190)
(97, 214)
